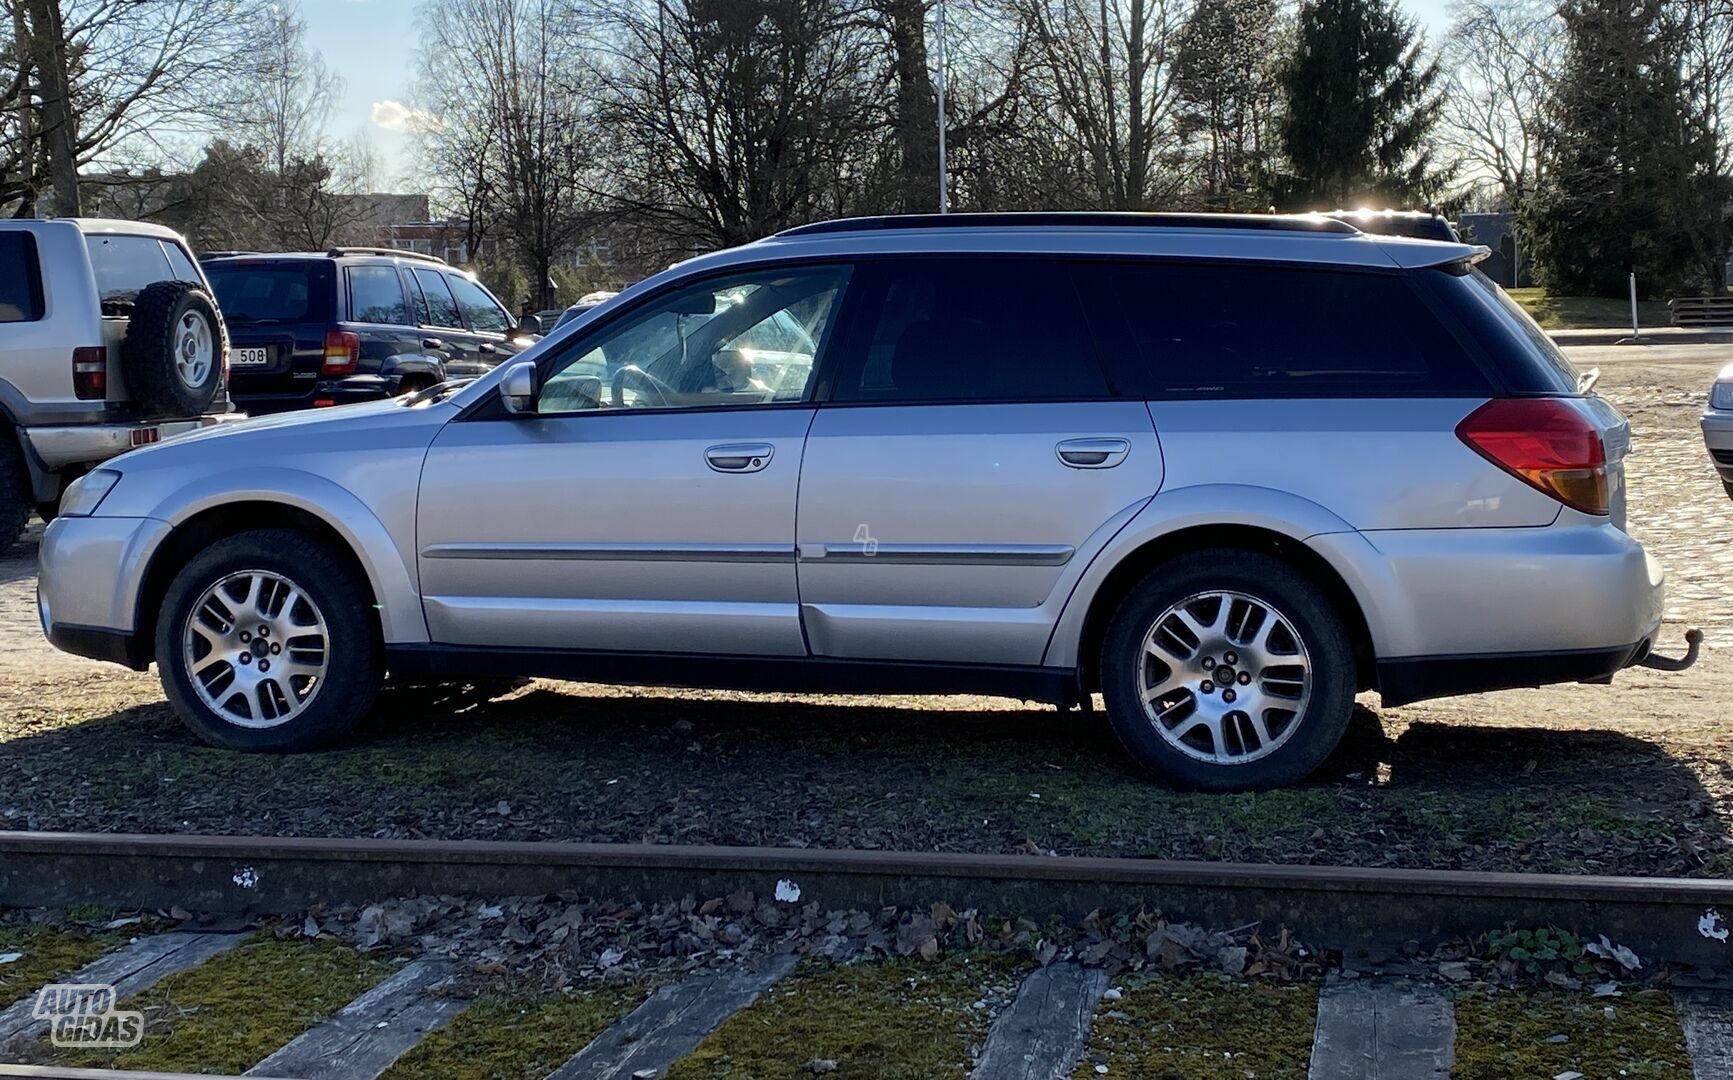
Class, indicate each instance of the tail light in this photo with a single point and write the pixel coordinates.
(1545, 443)
(342, 353)
(90, 373)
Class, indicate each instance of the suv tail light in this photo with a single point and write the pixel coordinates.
(342, 353)
(1545, 443)
(90, 373)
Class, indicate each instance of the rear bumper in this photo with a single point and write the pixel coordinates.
(1456, 611)
(325, 394)
(59, 447)
(1419, 678)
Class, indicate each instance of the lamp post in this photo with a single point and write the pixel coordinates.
(944, 193)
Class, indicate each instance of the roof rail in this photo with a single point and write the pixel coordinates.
(1084, 219)
(398, 252)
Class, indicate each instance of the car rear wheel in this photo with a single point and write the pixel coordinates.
(1228, 670)
(267, 643)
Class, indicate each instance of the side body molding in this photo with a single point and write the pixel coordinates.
(1176, 509)
(388, 570)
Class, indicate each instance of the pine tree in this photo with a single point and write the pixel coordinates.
(1627, 167)
(1361, 105)
(1225, 97)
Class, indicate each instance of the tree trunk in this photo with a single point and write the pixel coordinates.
(59, 130)
(917, 110)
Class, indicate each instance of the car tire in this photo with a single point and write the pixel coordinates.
(15, 490)
(174, 348)
(1204, 613)
(317, 613)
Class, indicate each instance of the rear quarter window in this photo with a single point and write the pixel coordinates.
(20, 279)
(124, 265)
(1513, 344)
(1248, 331)
(263, 292)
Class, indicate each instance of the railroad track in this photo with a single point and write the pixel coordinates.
(1371, 1027)
(1680, 920)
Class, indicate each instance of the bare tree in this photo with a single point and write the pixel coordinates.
(511, 129)
(1225, 79)
(1103, 73)
(1499, 61)
(292, 92)
(730, 119)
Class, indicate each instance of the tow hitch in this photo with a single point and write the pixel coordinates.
(1693, 639)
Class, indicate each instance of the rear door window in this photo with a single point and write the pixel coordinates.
(124, 265)
(441, 308)
(376, 296)
(1246, 331)
(20, 278)
(969, 329)
(478, 306)
(281, 292)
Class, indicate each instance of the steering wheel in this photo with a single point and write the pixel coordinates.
(644, 381)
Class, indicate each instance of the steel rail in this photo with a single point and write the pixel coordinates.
(1372, 910)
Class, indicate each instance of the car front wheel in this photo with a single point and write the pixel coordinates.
(1228, 670)
(267, 643)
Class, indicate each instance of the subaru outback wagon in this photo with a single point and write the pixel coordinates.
(1223, 471)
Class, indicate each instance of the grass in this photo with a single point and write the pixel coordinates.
(513, 1037)
(234, 1010)
(48, 954)
(1204, 1027)
(1589, 312)
(895, 1020)
(1517, 1034)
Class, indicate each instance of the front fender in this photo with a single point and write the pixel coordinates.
(400, 615)
(1172, 511)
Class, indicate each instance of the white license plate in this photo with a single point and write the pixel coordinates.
(249, 357)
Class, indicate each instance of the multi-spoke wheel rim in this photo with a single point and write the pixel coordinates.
(193, 353)
(256, 649)
(1224, 677)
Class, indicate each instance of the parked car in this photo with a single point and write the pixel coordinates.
(354, 324)
(586, 302)
(1229, 472)
(1718, 427)
(1418, 224)
(109, 339)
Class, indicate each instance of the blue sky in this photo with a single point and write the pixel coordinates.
(372, 43)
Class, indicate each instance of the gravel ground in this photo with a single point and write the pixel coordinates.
(1632, 778)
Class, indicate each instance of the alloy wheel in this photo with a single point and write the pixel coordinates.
(256, 649)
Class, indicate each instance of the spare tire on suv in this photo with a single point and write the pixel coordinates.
(173, 352)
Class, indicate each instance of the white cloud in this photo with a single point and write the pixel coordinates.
(396, 116)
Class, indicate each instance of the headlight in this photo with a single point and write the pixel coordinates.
(1721, 395)
(87, 492)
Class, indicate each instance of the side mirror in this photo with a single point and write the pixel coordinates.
(531, 324)
(517, 388)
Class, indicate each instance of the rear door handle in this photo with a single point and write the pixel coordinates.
(1093, 453)
(739, 457)
(487, 347)
(432, 343)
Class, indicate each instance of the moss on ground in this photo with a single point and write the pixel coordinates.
(1513, 1034)
(514, 1037)
(1589, 312)
(235, 1009)
(1204, 1027)
(47, 954)
(892, 1020)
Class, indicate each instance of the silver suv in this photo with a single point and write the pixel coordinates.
(1224, 471)
(109, 339)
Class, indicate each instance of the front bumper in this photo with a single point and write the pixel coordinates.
(59, 447)
(1718, 438)
(89, 574)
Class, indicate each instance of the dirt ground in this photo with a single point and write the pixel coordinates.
(1631, 778)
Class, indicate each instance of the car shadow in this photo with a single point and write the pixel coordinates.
(561, 761)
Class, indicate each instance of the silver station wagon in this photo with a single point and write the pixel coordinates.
(1224, 471)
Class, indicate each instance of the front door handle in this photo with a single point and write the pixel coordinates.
(1093, 453)
(739, 457)
(432, 343)
(487, 347)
